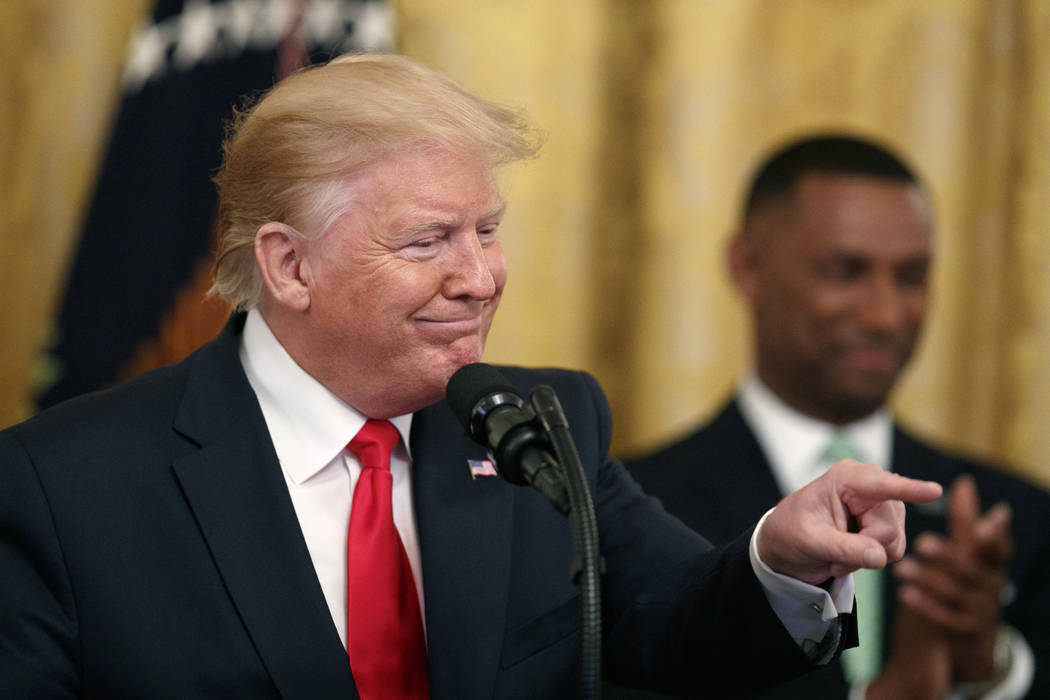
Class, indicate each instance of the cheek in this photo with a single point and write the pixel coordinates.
(829, 311)
(812, 328)
(497, 265)
(804, 312)
(406, 287)
(916, 310)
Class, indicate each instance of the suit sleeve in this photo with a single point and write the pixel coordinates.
(681, 615)
(1029, 610)
(38, 630)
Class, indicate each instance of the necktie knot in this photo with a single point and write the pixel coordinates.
(840, 447)
(374, 443)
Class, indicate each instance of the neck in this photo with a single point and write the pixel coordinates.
(834, 412)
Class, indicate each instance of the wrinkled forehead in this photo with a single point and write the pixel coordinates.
(422, 187)
(425, 171)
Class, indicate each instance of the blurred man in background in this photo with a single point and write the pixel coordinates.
(832, 258)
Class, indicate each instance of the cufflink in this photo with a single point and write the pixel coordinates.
(820, 653)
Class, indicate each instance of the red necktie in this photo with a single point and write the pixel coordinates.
(384, 629)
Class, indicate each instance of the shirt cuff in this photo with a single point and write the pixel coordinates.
(808, 612)
(1016, 664)
(859, 691)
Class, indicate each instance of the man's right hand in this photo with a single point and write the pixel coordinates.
(850, 517)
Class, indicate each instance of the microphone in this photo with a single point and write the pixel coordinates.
(519, 438)
(496, 417)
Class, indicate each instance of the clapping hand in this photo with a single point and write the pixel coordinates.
(955, 583)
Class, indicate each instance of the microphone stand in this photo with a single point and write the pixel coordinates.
(586, 566)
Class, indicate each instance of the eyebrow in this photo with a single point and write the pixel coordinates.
(498, 210)
(431, 224)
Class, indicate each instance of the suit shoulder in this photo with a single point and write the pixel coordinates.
(579, 394)
(128, 416)
(529, 377)
(128, 399)
(725, 427)
(571, 385)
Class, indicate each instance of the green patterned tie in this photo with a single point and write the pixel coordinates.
(861, 663)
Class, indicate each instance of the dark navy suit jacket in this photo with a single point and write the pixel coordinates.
(718, 478)
(149, 549)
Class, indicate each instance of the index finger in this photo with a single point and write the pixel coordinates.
(963, 507)
(873, 484)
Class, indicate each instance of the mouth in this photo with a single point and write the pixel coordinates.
(450, 328)
(873, 360)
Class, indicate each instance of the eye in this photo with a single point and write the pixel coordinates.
(913, 274)
(425, 246)
(487, 233)
(842, 269)
(427, 239)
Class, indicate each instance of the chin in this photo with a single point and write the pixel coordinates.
(440, 370)
(853, 406)
(464, 353)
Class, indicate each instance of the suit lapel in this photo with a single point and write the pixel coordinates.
(465, 542)
(235, 488)
(749, 486)
(916, 461)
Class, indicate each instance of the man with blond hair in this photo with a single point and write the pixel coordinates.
(289, 513)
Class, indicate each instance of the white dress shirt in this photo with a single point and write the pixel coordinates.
(792, 444)
(310, 428)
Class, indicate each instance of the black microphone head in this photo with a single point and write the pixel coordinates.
(470, 385)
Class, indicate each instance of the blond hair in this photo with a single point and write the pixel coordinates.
(285, 158)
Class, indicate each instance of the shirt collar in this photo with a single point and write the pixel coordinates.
(309, 425)
(793, 442)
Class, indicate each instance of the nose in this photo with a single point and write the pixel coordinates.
(471, 273)
(882, 307)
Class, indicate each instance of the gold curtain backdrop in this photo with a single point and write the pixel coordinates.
(655, 114)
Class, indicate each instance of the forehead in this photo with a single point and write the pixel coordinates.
(862, 214)
(428, 180)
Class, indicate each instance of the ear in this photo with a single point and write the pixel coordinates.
(741, 256)
(279, 255)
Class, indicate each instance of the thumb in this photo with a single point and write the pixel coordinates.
(992, 539)
(849, 551)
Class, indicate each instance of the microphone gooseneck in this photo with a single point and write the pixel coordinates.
(520, 438)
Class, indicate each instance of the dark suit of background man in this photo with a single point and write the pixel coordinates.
(186, 535)
(832, 259)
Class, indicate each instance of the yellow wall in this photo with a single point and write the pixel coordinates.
(655, 112)
(62, 61)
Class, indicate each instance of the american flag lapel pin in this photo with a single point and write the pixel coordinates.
(481, 467)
